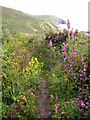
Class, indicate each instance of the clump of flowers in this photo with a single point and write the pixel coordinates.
(32, 70)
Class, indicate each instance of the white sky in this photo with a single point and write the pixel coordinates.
(74, 10)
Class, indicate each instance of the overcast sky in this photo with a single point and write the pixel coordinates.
(74, 10)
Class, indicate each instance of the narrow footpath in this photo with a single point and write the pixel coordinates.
(43, 101)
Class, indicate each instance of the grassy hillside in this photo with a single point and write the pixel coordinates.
(25, 23)
(52, 19)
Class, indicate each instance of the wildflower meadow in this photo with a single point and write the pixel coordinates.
(61, 59)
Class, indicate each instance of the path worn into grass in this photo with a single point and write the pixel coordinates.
(43, 100)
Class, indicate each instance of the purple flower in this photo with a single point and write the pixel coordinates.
(50, 43)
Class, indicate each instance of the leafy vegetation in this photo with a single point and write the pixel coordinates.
(57, 57)
(63, 66)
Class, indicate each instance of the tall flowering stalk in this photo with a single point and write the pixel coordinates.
(72, 34)
(68, 26)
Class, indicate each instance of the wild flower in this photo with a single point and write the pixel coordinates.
(82, 104)
(63, 48)
(50, 43)
(72, 34)
(27, 56)
(66, 44)
(66, 79)
(23, 97)
(65, 54)
(56, 108)
(66, 102)
(25, 49)
(56, 97)
(31, 93)
(77, 99)
(87, 103)
(68, 24)
(72, 54)
(80, 89)
(62, 112)
(83, 112)
(80, 74)
(51, 96)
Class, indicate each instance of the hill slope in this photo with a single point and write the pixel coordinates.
(52, 19)
(25, 23)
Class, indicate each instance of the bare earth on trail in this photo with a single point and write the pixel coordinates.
(43, 100)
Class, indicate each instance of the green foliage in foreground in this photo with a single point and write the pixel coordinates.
(24, 59)
(20, 78)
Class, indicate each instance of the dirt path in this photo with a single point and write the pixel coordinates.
(43, 101)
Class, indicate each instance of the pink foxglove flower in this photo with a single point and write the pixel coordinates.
(51, 96)
(71, 53)
(66, 44)
(63, 48)
(50, 43)
(72, 34)
(68, 24)
(56, 108)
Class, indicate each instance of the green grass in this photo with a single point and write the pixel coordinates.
(25, 23)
